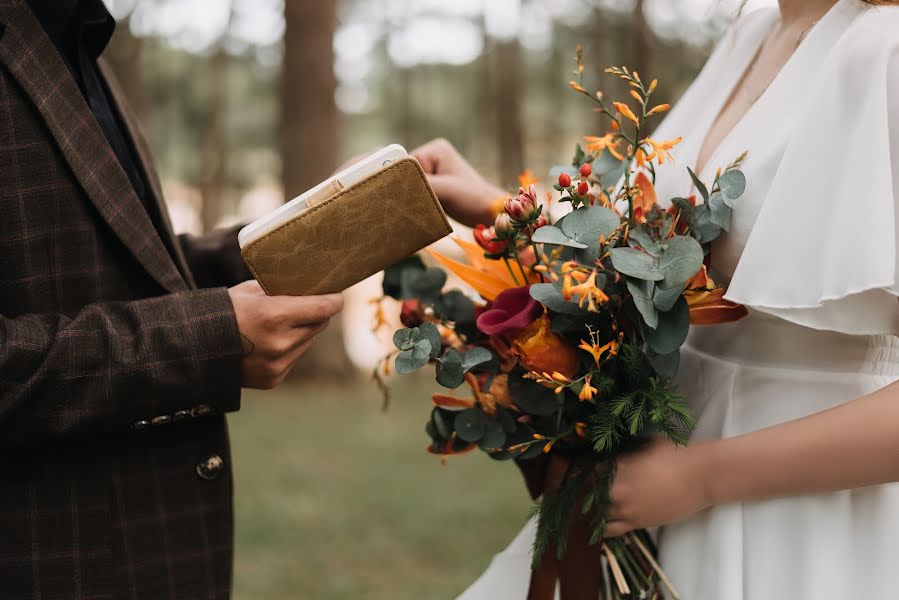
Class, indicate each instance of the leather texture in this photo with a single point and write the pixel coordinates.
(354, 234)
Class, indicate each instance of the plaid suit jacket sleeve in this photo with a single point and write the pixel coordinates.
(117, 365)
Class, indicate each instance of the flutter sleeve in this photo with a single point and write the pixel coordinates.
(823, 251)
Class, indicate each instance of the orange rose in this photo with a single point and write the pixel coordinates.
(540, 349)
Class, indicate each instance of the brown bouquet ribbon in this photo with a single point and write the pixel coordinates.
(579, 572)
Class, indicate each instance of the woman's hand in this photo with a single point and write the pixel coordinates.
(659, 484)
(464, 194)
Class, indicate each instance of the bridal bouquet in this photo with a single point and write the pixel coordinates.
(566, 359)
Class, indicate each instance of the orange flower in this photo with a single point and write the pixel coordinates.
(661, 150)
(577, 87)
(597, 351)
(587, 291)
(588, 391)
(707, 303)
(626, 112)
(540, 349)
(596, 144)
(580, 429)
(659, 109)
(646, 198)
(527, 179)
(488, 277)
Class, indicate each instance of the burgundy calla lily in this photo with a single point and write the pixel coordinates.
(510, 312)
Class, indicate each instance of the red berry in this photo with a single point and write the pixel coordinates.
(586, 169)
(583, 187)
(564, 180)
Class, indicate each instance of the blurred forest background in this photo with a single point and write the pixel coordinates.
(247, 103)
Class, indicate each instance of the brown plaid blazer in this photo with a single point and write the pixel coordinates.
(115, 367)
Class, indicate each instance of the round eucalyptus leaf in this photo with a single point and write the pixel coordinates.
(641, 292)
(586, 224)
(672, 329)
(475, 357)
(636, 264)
(532, 398)
(639, 236)
(442, 422)
(507, 421)
(408, 361)
(550, 234)
(494, 437)
(449, 369)
(549, 296)
(719, 211)
(471, 424)
(665, 365)
(664, 299)
(428, 282)
(429, 331)
(732, 184)
(682, 258)
(393, 284)
(403, 339)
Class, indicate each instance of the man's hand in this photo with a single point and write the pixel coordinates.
(464, 194)
(277, 330)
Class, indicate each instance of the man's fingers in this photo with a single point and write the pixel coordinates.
(296, 311)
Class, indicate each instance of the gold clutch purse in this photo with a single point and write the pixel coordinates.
(347, 235)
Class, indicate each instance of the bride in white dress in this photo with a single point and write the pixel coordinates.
(785, 491)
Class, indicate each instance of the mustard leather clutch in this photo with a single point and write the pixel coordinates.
(350, 234)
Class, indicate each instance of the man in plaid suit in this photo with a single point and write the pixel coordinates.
(119, 356)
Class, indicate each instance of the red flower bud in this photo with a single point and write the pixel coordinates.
(412, 314)
(583, 187)
(564, 180)
(486, 239)
(523, 207)
(586, 169)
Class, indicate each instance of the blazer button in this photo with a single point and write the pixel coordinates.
(201, 410)
(211, 468)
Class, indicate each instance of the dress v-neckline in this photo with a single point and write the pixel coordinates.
(724, 100)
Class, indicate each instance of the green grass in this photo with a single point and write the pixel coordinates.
(337, 500)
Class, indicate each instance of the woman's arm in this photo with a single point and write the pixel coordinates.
(465, 195)
(850, 446)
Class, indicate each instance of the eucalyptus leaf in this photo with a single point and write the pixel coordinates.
(672, 329)
(682, 258)
(411, 360)
(475, 357)
(450, 373)
(719, 211)
(550, 234)
(700, 186)
(586, 225)
(641, 291)
(640, 236)
(441, 424)
(559, 169)
(494, 436)
(471, 424)
(394, 277)
(549, 296)
(532, 398)
(608, 168)
(404, 339)
(664, 299)
(455, 306)
(636, 264)
(705, 230)
(429, 332)
(687, 211)
(732, 184)
(429, 282)
(665, 365)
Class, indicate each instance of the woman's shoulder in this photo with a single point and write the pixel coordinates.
(872, 40)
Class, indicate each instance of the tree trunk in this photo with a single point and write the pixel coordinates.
(309, 140)
(215, 143)
(508, 90)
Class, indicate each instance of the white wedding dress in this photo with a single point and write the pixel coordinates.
(813, 253)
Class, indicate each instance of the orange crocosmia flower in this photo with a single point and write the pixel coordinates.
(540, 349)
(587, 291)
(447, 449)
(451, 402)
(596, 144)
(488, 277)
(626, 112)
(577, 87)
(497, 395)
(588, 391)
(527, 179)
(597, 351)
(646, 199)
(659, 109)
(662, 150)
(706, 301)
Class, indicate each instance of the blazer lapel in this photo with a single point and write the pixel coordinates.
(30, 57)
(147, 166)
